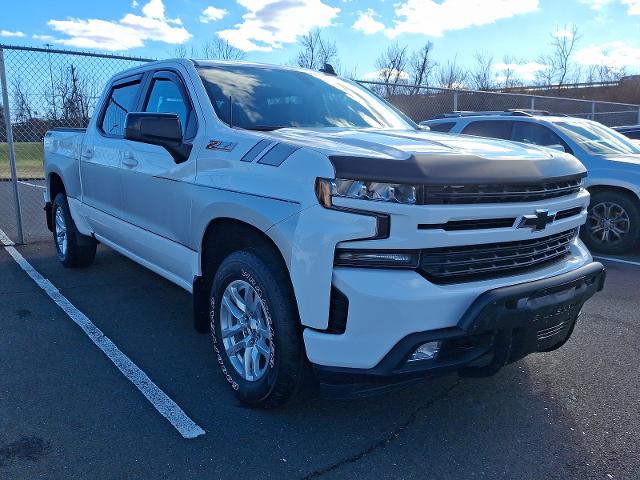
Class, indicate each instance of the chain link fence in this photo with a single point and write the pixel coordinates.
(45, 88)
(424, 103)
(42, 89)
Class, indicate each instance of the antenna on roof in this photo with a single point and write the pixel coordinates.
(328, 69)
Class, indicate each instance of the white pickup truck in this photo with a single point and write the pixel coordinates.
(324, 235)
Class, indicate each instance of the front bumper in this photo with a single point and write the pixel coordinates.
(502, 325)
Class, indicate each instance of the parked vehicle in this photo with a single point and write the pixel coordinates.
(612, 162)
(630, 131)
(323, 235)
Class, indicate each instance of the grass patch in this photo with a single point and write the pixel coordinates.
(28, 160)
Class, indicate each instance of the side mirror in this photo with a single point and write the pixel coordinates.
(558, 148)
(161, 129)
(424, 127)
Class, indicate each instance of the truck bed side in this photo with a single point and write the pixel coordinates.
(62, 150)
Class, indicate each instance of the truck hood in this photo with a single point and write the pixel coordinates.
(426, 157)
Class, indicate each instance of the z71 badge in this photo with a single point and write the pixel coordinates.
(220, 145)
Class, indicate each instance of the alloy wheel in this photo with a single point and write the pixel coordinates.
(246, 335)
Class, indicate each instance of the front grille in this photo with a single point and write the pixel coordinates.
(469, 194)
(475, 262)
(485, 223)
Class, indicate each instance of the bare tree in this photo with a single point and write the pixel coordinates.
(481, 76)
(315, 51)
(21, 106)
(221, 49)
(180, 51)
(422, 67)
(559, 66)
(392, 68)
(508, 74)
(451, 74)
(75, 94)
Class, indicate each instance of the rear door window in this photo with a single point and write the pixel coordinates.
(490, 128)
(441, 127)
(122, 100)
(528, 132)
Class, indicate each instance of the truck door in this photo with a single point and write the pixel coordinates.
(101, 151)
(156, 190)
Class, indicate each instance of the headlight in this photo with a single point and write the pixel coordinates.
(364, 190)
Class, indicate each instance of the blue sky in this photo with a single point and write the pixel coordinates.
(269, 29)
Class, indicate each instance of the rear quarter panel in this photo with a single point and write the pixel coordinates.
(62, 149)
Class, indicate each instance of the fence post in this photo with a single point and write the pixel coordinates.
(10, 146)
(533, 103)
(638, 115)
(455, 100)
(593, 110)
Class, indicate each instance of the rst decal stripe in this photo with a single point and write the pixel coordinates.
(251, 155)
(277, 155)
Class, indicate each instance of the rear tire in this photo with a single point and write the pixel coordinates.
(613, 223)
(264, 360)
(74, 249)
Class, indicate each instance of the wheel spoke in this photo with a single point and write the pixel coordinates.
(255, 361)
(230, 332)
(236, 347)
(261, 346)
(264, 332)
(233, 309)
(248, 374)
(237, 299)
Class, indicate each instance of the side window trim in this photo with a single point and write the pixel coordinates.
(118, 83)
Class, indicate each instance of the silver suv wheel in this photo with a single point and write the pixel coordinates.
(608, 223)
(245, 334)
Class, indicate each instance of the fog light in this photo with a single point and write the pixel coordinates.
(426, 351)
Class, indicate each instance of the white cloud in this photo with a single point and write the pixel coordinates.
(212, 14)
(129, 32)
(381, 75)
(367, 24)
(615, 55)
(44, 38)
(633, 5)
(269, 24)
(433, 18)
(563, 34)
(523, 71)
(10, 34)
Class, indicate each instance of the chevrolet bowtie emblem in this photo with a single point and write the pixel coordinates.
(536, 222)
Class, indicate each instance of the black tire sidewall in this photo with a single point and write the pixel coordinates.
(630, 242)
(249, 267)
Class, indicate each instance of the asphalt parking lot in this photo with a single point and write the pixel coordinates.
(66, 411)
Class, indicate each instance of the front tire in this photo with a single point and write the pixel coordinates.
(74, 249)
(255, 329)
(613, 223)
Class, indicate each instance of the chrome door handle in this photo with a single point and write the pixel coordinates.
(129, 160)
(87, 153)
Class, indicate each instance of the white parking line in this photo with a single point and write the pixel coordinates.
(165, 406)
(32, 184)
(619, 260)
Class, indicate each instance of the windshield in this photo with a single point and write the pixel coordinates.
(264, 98)
(596, 139)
